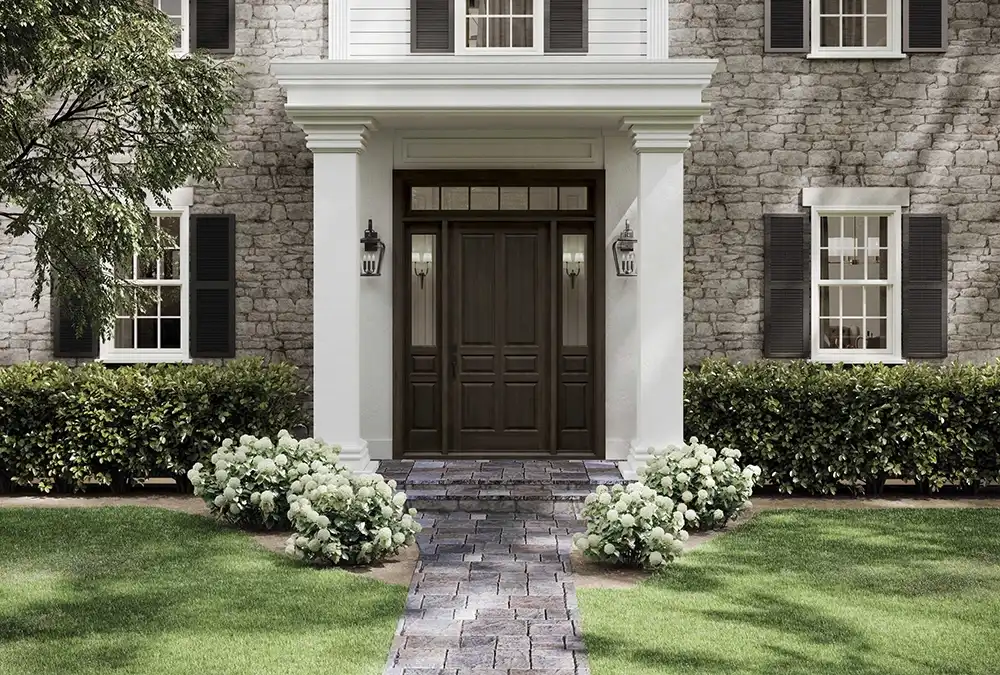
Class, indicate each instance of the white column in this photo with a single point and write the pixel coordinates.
(657, 29)
(340, 29)
(337, 227)
(660, 144)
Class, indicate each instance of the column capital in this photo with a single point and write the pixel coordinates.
(665, 132)
(328, 133)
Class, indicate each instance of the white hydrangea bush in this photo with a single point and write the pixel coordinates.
(342, 518)
(632, 526)
(711, 484)
(246, 482)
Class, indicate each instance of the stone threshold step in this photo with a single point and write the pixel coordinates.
(542, 506)
(516, 492)
(490, 482)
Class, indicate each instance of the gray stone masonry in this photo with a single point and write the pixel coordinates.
(782, 122)
(493, 592)
(25, 331)
(778, 123)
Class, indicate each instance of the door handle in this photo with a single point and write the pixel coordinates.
(454, 363)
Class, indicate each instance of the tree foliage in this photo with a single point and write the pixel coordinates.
(96, 115)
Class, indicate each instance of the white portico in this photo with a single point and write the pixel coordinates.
(366, 119)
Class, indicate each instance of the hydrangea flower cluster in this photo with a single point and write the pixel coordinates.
(711, 484)
(344, 518)
(246, 483)
(632, 525)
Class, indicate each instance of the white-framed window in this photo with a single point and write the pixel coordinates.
(856, 29)
(157, 331)
(499, 26)
(856, 274)
(178, 12)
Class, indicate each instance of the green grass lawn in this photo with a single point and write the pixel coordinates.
(868, 592)
(140, 590)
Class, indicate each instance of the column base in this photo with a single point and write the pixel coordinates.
(638, 455)
(356, 457)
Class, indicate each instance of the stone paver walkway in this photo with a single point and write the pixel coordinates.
(492, 593)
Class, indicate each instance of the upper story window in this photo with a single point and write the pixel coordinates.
(208, 25)
(178, 12)
(501, 27)
(856, 29)
(508, 25)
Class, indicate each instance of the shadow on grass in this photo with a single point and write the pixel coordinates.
(100, 588)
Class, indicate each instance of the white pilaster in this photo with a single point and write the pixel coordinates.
(657, 29)
(340, 29)
(337, 146)
(660, 144)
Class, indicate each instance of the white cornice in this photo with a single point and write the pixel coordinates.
(855, 196)
(545, 85)
(669, 131)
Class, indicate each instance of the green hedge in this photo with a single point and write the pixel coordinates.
(60, 426)
(815, 427)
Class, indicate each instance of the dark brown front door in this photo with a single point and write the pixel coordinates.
(498, 314)
(500, 338)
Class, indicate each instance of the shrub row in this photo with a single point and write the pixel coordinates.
(60, 426)
(815, 427)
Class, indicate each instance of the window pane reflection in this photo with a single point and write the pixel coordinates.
(423, 295)
(574, 290)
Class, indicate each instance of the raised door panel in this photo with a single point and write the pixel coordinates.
(500, 342)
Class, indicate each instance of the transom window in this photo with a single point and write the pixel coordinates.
(856, 28)
(500, 25)
(155, 329)
(493, 198)
(855, 285)
(177, 12)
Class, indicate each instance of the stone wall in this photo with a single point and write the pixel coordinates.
(25, 331)
(269, 186)
(780, 123)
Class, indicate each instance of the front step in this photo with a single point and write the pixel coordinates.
(541, 487)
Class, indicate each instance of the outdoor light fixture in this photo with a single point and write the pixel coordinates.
(573, 264)
(623, 251)
(422, 265)
(372, 252)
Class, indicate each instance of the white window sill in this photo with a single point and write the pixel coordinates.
(887, 359)
(860, 54)
(140, 357)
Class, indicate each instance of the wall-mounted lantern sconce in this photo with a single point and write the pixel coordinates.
(372, 253)
(422, 265)
(573, 264)
(623, 251)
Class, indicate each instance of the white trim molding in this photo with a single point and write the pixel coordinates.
(855, 197)
(657, 29)
(667, 132)
(498, 149)
(402, 90)
(339, 29)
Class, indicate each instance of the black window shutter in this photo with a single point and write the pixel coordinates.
(213, 26)
(925, 25)
(213, 286)
(69, 339)
(925, 286)
(566, 25)
(786, 25)
(432, 26)
(787, 285)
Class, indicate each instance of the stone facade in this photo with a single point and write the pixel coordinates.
(269, 185)
(25, 330)
(780, 123)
